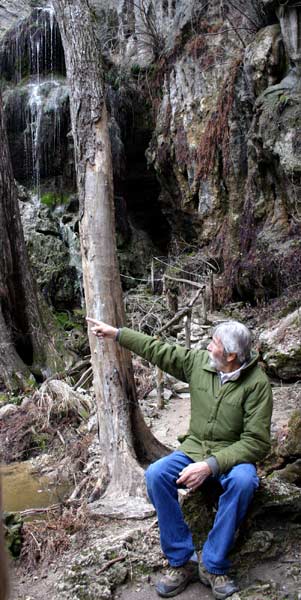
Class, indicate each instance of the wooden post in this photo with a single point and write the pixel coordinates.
(160, 388)
(187, 320)
(204, 308)
(153, 276)
(212, 300)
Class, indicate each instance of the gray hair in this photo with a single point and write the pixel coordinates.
(235, 337)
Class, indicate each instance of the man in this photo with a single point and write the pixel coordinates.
(231, 406)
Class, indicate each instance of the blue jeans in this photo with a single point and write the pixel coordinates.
(239, 484)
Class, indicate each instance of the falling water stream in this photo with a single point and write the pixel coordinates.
(36, 51)
(33, 125)
(45, 100)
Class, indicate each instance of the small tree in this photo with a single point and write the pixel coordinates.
(123, 434)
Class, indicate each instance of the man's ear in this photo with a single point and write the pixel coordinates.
(231, 357)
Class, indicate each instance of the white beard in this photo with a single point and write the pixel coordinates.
(215, 363)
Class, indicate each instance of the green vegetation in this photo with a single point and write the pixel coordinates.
(135, 70)
(13, 533)
(15, 399)
(65, 322)
(51, 199)
(40, 441)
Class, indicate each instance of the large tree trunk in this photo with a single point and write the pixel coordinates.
(24, 345)
(123, 434)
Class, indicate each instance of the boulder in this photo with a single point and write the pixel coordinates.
(290, 444)
(276, 508)
(7, 409)
(264, 59)
(281, 347)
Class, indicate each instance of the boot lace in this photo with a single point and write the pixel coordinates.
(221, 580)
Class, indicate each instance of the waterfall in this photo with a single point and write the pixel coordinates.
(44, 122)
(33, 47)
(42, 42)
(52, 40)
(35, 106)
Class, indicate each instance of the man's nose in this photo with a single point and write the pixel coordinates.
(209, 347)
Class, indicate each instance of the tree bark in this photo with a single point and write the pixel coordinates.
(123, 434)
(24, 345)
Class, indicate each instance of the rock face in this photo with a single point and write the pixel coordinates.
(53, 247)
(211, 95)
(221, 132)
(12, 11)
(217, 153)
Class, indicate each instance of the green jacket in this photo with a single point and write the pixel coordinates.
(230, 422)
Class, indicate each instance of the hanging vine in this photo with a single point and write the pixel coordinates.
(217, 134)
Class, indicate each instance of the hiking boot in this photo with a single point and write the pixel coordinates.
(176, 579)
(222, 586)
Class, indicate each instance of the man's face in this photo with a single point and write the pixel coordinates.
(216, 353)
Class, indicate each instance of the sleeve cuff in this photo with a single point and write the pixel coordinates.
(213, 464)
(118, 335)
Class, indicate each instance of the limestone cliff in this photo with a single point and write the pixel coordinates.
(210, 93)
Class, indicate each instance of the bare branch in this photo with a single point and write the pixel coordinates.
(178, 280)
(181, 313)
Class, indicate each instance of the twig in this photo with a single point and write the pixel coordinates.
(78, 489)
(84, 378)
(30, 512)
(238, 35)
(149, 312)
(36, 541)
(181, 313)
(79, 366)
(110, 563)
(193, 283)
(61, 437)
(179, 268)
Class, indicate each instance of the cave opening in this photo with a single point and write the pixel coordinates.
(142, 191)
(24, 348)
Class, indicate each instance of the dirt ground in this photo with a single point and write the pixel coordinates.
(39, 584)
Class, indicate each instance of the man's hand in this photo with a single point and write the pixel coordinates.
(102, 330)
(194, 475)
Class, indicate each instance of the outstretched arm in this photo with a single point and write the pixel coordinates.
(171, 358)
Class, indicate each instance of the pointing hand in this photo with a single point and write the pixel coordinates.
(102, 330)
